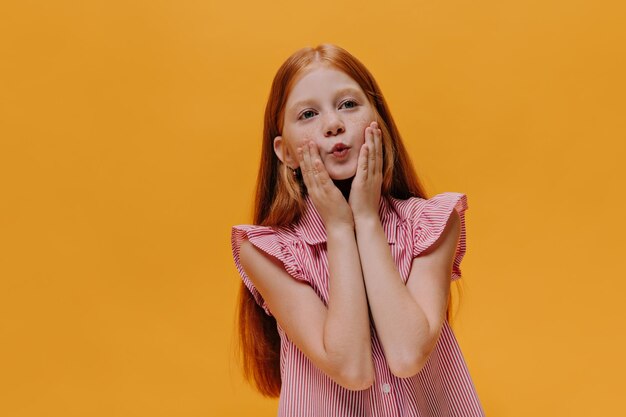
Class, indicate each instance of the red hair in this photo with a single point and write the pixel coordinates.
(280, 196)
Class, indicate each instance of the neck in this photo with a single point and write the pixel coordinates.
(344, 186)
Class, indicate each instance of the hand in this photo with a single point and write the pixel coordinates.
(328, 199)
(367, 184)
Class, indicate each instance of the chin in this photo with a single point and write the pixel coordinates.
(342, 172)
(342, 175)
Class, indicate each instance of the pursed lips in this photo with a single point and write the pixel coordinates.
(338, 147)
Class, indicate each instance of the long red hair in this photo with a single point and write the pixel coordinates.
(280, 196)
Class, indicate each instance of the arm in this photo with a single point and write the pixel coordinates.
(347, 336)
(347, 327)
(408, 318)
(336, 339)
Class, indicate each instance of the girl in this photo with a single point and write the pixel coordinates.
(346, 272)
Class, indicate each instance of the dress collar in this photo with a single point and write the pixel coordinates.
(311, 227)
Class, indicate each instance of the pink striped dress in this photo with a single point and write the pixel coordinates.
(442, 388)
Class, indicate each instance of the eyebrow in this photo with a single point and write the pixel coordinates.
(339, 93)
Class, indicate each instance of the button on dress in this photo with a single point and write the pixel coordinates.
(442, 388)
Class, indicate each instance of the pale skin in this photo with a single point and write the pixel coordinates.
(362, 273)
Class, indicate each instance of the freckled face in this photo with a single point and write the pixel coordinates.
(327, 106)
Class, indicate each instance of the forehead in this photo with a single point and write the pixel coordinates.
(319, 83)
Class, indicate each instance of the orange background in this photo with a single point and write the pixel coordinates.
(129, 145)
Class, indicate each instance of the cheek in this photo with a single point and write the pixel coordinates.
(297, 138)
(360, 123)
(301, 137)
(307, 134)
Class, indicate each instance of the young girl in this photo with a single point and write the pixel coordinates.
(346, 271)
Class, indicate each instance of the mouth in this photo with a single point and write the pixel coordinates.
(340, 150)
(339, 147)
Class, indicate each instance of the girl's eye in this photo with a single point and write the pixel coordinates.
(308, 111)
(351, 104)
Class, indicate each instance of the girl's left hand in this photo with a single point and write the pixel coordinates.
(366, 186)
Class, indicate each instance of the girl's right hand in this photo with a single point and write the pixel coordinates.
(329, 202)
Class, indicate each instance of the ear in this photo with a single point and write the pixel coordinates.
(282, 151)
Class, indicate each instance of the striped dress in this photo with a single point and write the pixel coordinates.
(442, 388)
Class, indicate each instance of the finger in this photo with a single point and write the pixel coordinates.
(361, 172)
(307, 169)
(315, 167)
(378, 139)
(322, 176)
(371, 162)
(300, 156)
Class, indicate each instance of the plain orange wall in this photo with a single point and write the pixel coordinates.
(129, 145)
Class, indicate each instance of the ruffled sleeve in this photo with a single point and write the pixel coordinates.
(430, 218)
(269, 241)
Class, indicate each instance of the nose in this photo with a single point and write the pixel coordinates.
(333, 125)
